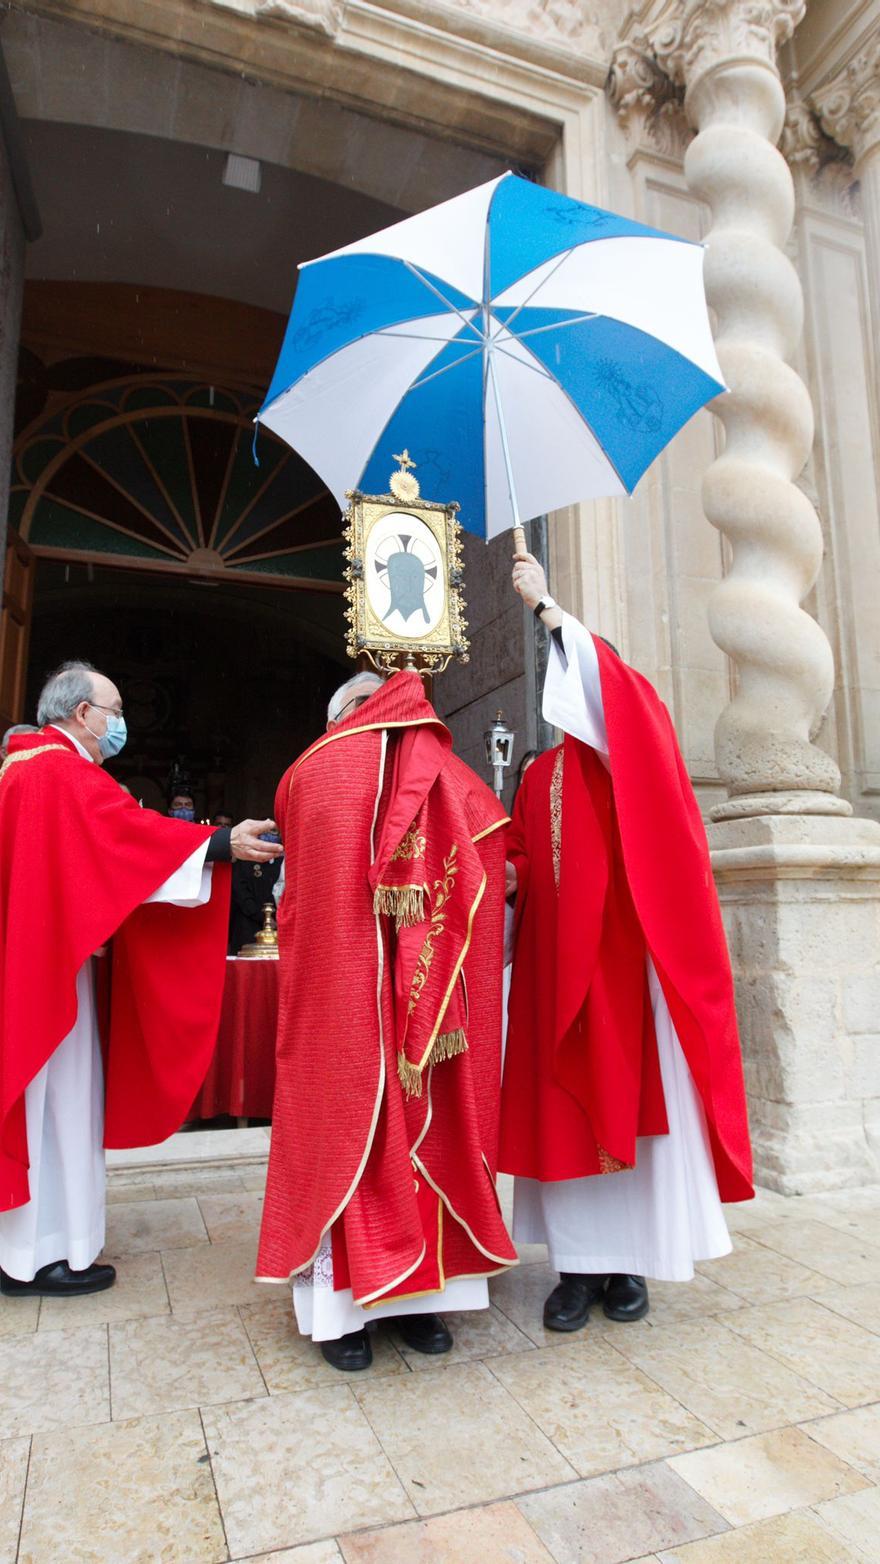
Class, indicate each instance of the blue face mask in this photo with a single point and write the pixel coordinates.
(113, 740)
(181, 814)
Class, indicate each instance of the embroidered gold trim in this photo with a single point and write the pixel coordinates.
(458, 965)
(609, 1164)
(404, 903)
(411, 846)
(29, 754)
(489, 829)
(443, 889)
(556, 814)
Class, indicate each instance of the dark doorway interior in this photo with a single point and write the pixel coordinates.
(229, 682)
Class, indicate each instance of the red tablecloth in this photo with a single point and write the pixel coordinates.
(241, 1078)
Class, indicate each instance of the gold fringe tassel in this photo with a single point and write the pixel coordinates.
(410, 1077)
(446, 1046)
(404, 903)
(449, 1044)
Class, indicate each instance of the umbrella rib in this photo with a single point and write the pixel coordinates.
(539, 369)
(557, 325)
(446, 368)
(409, 336)
(453, 308)
(539, 285)
(505, 448)
(536, 368)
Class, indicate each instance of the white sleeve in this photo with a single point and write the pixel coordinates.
(572, 687)
(278, 887)
(190, 885)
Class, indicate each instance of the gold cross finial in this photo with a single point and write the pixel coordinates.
(405, 460)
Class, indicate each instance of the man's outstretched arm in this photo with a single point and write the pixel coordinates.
(243, 841)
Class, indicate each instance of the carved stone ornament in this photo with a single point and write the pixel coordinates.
(849, 105)
(802, 136)
(826, 164)
(541, 18)
(324, 16)
(715, 32)
(648, 104)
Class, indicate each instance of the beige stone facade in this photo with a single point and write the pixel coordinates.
(743, 578)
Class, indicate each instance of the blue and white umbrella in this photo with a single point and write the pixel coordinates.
(529, 350)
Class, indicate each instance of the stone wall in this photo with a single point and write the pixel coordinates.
(468, 695)
(805, 945)
(12, 244)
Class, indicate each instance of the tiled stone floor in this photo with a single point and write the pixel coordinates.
(179, 1418)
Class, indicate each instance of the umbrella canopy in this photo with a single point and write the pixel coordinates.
(529, 350)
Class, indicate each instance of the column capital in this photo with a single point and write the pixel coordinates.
(849, 104)
(647, 102)
(713, 33)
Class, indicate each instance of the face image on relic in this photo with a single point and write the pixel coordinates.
(405, 575)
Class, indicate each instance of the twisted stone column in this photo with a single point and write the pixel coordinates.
(724, 52)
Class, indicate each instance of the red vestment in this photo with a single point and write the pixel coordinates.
(388, 1057)
(78, 857)
(611, 867)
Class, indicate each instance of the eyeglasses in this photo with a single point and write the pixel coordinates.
(356, 701)
(116, 710)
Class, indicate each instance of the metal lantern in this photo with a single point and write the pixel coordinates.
(499, 750)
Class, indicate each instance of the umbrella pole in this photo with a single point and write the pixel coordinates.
(519, 537)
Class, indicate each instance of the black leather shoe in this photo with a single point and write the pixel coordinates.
(350, 1352)
(59, 1281)
(424, 1333)
(568, 1306)
(626, 1298)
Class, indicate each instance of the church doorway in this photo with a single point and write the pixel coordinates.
(223, 685)
(208, 587)
(154, 307)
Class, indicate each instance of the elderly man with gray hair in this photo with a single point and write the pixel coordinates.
(351, 695)
(83, 872)
(380, 1198)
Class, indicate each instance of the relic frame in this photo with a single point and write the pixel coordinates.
(404, 574)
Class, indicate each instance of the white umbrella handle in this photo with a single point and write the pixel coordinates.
(519, 541)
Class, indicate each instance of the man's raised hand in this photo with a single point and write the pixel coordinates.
(246, 843)
(529, 579)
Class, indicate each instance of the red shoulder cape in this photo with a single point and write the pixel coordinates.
(378, 816)
(78, 857)
(669, 878)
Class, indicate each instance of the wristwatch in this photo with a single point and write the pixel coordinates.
(546, 602)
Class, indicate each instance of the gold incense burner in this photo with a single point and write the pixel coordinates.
(264, 946)
(404, 573)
